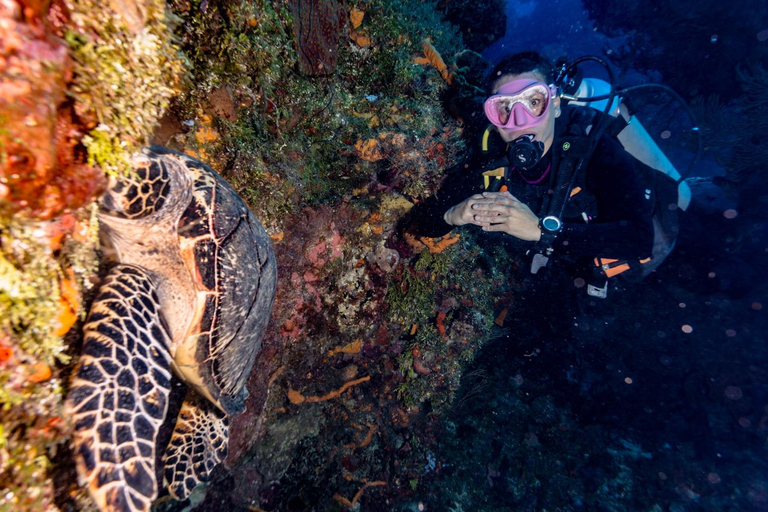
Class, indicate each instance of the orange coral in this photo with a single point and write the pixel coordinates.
(40, 372)
(362, 40)
(350, 504)
(360, 37)
(204, 135)
(5, 353)
(436, 245)
(500, 319)
(366, 441)
(68, 306)
(353, 347)
(277, 237)
(440, 322)
(356, 17)
(297, 398)
(369, 150)
(433, 58)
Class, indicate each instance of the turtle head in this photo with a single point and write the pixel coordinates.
(158, 185)
(141, 194)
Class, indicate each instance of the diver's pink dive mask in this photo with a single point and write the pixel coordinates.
(520, 104)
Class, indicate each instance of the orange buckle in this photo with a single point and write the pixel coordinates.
(611, 267)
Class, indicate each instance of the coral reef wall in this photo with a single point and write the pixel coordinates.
(56, 61)
(331, 140)
(330, 119)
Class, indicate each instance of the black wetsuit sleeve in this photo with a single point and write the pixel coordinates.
(426, 218)
(624, 227)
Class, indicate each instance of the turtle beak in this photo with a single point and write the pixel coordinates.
(110, 201)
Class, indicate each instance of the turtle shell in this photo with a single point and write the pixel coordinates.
(230, 258)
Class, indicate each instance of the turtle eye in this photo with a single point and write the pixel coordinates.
(140, 195)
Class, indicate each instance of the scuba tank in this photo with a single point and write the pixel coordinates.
(634, 137)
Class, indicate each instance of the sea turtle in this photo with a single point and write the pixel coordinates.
(191, 293)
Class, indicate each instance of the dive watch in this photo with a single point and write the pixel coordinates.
(550, 227)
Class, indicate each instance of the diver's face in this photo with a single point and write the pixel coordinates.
(545, 131)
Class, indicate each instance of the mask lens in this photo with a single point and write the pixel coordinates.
(534, 98)
(500, 107)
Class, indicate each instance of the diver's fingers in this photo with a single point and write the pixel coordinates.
(486, 219)
(500, 195)
(505, 208)
(498, 200)
(485, 208)
(496, 227)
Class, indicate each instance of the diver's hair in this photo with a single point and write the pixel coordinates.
(523, 62)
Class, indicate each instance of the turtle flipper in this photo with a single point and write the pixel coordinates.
(199, 442)
(119, 394)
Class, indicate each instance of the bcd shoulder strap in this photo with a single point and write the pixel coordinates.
(573, 147)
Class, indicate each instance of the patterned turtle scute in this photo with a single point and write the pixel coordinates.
(192, 291)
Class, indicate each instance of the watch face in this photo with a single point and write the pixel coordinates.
(550, 223)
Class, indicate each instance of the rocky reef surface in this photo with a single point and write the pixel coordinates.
(328, 118)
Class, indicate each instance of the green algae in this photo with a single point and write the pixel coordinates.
(459, 318)
(31, 397)
(123, 80)
(29, 293)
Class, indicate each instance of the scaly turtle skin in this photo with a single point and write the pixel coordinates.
(191, 294)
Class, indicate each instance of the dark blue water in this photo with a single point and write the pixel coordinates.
(554, 28)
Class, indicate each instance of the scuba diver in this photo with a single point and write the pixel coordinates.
(554, 179)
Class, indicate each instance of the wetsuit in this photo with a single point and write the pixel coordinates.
(608, 217)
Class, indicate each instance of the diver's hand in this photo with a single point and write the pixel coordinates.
(501, 211)
(463, 212)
